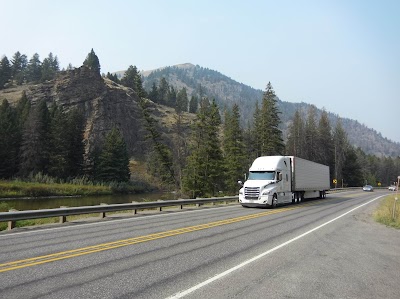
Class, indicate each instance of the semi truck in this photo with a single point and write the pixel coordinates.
(275, 180)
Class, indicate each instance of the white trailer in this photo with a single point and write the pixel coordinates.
(274, 180)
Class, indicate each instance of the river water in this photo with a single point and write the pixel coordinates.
(56, 202)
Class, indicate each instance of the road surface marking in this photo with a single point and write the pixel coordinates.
(245, 263)
(14, 265)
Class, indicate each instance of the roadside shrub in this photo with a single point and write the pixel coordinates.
(4, 207)
(384, 213)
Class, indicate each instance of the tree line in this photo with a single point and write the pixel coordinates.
(217, 153)
(48, 140)
(220, 150)
(20, 70)
(316, 140)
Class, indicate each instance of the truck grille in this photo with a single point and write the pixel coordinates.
(251, 192)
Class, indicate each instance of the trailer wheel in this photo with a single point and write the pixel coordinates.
(294, 199)
(301, 197)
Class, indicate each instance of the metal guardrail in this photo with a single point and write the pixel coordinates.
(63, 212)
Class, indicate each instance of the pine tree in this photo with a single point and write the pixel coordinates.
(256, 140)
(172, 97)
(113, 161)
(325, 142)
(58, 149)
(203, 174)
(19, 67)
(163, 88)
(181, 101)
(133, 80)
(161, 161)
(92, 61)
(153, 94)
(9, 141)
(270, 134)
(311, 135)
(34, 69)
(193, 104)
(74, 139)
(35, 141)
(234, 150)
(112, 77)
(50, 68)
(352, 174)
(23, 108)
(5, 72)
(296, 137)
(340, 143)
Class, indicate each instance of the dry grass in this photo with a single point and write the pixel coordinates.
(12, 94)
(384, 213)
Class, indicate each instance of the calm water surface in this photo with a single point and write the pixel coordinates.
(49, 203)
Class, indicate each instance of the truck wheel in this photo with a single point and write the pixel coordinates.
(274, 202)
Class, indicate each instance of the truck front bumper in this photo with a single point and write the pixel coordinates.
(262, 201)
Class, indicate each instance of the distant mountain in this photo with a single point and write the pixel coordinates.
(226, 91)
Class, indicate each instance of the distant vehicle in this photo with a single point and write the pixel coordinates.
(368, 188)
(392, 188)
(283, 179)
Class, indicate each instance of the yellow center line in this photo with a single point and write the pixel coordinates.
(131, 241)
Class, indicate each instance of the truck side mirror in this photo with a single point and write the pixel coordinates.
(240, 183)
(280, 176)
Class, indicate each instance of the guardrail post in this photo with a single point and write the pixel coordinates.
(135, 210)
(11, 224)
(103, 214)
(63, 218)
(160, 208)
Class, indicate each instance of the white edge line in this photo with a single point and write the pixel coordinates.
(221, 275)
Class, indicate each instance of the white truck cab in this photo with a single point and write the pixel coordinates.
(269, 181)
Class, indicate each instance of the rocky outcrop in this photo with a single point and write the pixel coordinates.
(103, 103)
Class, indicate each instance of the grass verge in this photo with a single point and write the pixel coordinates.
(384, 213)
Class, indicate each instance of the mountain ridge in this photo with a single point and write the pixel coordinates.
(226, 91)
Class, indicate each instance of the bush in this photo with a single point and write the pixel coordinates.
(4, 207)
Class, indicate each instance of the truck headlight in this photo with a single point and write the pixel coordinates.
(266, 192)
(241, 191)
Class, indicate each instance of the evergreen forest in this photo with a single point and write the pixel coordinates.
(218, 151)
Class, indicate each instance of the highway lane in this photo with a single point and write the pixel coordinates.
(162, 255)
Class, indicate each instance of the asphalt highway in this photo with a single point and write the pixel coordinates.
(329, 248)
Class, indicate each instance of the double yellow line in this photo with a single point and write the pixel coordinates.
(131, 241)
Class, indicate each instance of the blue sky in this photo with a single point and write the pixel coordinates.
(343, 56)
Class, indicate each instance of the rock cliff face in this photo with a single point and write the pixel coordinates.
(103, 103)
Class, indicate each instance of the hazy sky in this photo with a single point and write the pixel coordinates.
(343, 56)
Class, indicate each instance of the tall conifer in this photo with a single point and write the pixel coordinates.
(92, 61)
(203, 175)
(269, 133)
(234, 149)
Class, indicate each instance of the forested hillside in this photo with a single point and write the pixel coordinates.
(185, 127)
(201, 82)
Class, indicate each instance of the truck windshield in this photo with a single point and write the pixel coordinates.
(262, 175)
